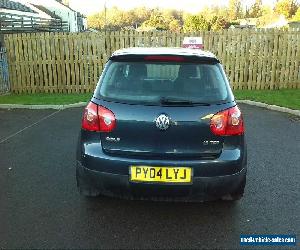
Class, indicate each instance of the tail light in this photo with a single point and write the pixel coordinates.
(107, 119)
(98, 118)
(228, 122)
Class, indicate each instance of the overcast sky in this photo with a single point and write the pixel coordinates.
(193, 6)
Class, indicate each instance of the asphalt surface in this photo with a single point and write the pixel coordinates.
(41, 208)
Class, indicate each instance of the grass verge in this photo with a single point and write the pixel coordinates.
(289, 98)
(55, 99)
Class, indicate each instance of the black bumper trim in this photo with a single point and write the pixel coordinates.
(202, 189)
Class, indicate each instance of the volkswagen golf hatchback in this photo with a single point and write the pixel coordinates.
(162, 124)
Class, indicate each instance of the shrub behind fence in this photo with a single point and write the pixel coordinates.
(72, 62)
(4, 80)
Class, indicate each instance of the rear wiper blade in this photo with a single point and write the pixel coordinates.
(171, 101)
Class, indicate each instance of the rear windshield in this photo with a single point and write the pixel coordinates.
(150, 82)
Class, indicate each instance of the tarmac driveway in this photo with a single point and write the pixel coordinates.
(41, 208)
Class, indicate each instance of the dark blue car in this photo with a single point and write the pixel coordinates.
(162, 124)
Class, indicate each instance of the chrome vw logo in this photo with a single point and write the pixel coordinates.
(162, 122)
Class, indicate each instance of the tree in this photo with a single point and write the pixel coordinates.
(256, 9)
(157, 21)
(210, 12)
(268, 16)
(96, 21)
(164, 20)
(247, 12)
(117, 19)
(296, 17)
(218, 23)
(174, 25)
(287, 8)
(172, 14)
(195, 23)
(235, 10)
(140, 15)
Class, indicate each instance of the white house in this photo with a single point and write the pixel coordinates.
(280, 22)
(20, 16)
(21, 8)
(76, 21)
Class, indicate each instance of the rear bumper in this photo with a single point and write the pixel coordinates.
(229, 162)
(212, 178)
(202, 189)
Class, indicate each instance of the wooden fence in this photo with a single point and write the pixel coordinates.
(72, 62)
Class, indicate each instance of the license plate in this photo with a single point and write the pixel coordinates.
(161, 174)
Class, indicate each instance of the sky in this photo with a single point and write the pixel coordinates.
(93, 6)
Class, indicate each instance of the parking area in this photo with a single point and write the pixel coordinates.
(41, 208)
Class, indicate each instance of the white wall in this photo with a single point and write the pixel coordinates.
(65, 13)
(85, 23)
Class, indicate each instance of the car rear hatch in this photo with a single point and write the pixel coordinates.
(136, 133)
(158, 109)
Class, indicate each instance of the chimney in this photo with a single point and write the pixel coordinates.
(66, 2)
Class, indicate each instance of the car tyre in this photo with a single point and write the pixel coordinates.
(84, 188)
(237, 194)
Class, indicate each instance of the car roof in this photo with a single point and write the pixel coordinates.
(163, 51)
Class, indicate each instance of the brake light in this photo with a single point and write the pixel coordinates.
(98, 118)
(90, 120)
(165, 58)
(107, 119)
(227, 122)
